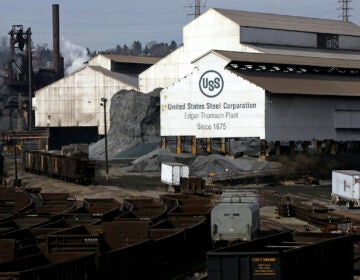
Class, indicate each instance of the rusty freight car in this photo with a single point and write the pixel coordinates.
(73, 169)
(101, 239)
(285, 256)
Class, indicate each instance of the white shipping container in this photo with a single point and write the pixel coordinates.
(172, 172)
(346, 187)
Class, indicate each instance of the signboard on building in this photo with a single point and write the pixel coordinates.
(213, 103)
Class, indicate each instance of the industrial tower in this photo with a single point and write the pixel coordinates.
(345, 7)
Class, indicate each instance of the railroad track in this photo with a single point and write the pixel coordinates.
(276, 225)
(317, 214)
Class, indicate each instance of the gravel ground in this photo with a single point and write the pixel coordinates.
(119, 186)
(122, 184)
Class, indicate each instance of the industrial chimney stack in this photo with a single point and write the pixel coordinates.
(58, 60)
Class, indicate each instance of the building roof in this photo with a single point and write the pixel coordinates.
(294, 23)
(289, 59)
(325, 83)
(132, 59)
(127, 79)
(300, 84)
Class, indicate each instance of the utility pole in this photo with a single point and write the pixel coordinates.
(197, 8)
(29, 54)
(345, 9)
(104, 100)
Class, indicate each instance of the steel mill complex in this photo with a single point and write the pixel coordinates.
(212, 162)
(237, 74)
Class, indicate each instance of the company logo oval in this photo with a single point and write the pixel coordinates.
(211, 83)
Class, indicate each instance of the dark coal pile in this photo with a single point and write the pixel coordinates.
(134, 125)
(245, 146)
(220, 166)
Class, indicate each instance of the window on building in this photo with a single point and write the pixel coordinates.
(327, 41)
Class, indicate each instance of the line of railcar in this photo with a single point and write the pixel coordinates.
(286, 255)
(148, 238)
(101, 240)
(78, 170)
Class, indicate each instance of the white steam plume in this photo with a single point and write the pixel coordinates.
(74, 56)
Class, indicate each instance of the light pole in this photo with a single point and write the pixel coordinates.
(30, 78)
(103, 103)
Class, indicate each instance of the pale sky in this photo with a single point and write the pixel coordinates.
(101, 25)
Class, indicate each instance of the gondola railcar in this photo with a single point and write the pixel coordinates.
(78, 170)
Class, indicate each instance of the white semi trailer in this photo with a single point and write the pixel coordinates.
(171, 174)
(346, 187)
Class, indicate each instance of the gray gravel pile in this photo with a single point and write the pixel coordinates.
(202, 166)
(222, 166)
(152, 161)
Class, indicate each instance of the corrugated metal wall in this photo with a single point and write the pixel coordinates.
(75, 100)
(254, 35)
(303, 118)
(101, 61)
(211, 31)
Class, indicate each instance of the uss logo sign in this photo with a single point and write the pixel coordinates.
(211, 83)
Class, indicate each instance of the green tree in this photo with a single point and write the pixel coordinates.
(118, 49)
(136, 48)
(125, 50)
(173, 45)
(146, 51)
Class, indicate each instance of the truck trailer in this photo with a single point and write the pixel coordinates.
(346, 187)
(171, 174)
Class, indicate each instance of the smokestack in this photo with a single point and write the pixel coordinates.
(56, 40)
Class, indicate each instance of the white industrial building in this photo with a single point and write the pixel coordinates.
(238, 31)
(237, 74)
(73, 102)
(277, 78)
